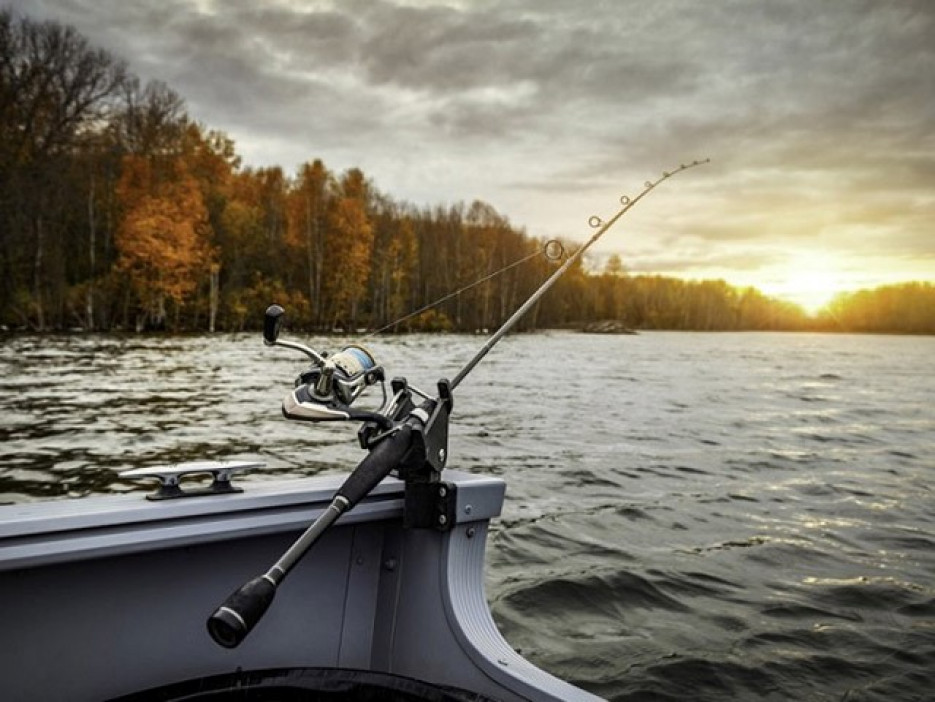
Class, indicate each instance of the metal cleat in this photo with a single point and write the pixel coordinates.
(170, 477)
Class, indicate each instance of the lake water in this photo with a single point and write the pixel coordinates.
(689, 516)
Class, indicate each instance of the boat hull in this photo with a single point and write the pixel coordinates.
(108, 597)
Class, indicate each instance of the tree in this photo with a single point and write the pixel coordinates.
(308, 203)
(163, 240)
(54, 87)
(907, 308)
(392, 266)
(614, 265)
(151, 120)
(348, 244)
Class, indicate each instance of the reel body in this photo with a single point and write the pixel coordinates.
(325, 392)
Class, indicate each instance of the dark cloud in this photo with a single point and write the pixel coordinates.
(442, 50)
(817, 115)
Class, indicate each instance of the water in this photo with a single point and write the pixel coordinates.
(689, 516)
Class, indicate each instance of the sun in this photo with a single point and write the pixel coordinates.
(809, 280)
(812, 289)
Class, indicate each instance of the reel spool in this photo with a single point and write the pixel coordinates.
(347, 374)
(326, 392)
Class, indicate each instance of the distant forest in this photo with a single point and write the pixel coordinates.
(118, 211)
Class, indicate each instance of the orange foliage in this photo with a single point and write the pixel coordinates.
(350, 237)
(163, 239)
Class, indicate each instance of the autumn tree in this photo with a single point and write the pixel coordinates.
(308, 203)
(211, 159)
(163, 239)
(907, 308)
(439, 241)
(392, 265)
(348, 244)
(571, 299)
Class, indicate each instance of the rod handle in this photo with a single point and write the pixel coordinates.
(232, 621)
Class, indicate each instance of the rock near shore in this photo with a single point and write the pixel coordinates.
(607, 326)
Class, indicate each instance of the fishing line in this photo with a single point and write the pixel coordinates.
(552, 250)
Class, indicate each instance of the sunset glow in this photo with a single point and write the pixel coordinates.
(810, 290)
(809, 281)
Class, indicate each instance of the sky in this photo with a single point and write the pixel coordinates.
(818, 117)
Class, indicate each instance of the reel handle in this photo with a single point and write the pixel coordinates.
(272, 324)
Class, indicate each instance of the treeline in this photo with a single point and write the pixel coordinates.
(658, 302)
(906, 308)
(119, 211)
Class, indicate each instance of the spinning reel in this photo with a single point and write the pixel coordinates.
(326, 391)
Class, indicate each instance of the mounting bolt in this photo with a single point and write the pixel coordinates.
(441, 455)
(468, 509)
(442, 491)
(470, 532)
(442, 519)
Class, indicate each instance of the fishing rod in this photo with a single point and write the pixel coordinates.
(402, 437)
